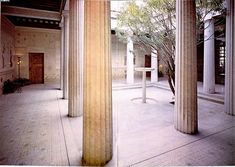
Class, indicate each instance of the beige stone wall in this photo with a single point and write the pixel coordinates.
(118, 52)
(7, 50)
(34, 40)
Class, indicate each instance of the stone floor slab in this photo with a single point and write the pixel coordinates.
(35, 130)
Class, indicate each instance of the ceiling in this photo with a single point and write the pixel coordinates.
(34, 13)
(34, 22)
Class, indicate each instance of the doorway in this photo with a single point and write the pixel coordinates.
(36, 68)
(148, 64)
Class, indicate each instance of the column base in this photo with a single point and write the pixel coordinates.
(94, 162)
(74, 115)
(190, 132)
(230, 113)
(209, 90)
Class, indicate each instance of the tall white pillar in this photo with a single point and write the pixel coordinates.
(130, 62)
(66, 53)
(185, 112)
(154, 64)
(209, 56)
(230, 60)
(97, 102)
(75, 54)
(62, 53)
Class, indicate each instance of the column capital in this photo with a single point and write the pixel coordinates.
(62, 22)
(154, 52)
(208, 16)
(65, 13)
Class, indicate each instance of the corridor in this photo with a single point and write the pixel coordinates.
(33, 127)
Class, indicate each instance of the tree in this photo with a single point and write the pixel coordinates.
(152, 24)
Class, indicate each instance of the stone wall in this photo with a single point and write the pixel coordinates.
(118, 52)
(7, 50)
(35, 40)
(139, 53)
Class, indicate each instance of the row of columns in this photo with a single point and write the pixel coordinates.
(96, 99)
(209, 58)
(208, 65)
(185, 112)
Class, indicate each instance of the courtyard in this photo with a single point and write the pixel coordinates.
(35, 130)
(85, 63)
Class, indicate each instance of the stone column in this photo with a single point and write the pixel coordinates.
(230, 60)
(209, 56)
(130, 62)
(75, 55)
(62, 53)
(0, 28)
(97, 103)
(66, 53)
(154, 64)
(185, 112)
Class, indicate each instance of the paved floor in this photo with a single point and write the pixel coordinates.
(35, 130)
(31, 129)
(146, 135)
(162, 83)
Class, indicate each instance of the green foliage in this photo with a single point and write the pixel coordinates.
(22, 81)
(15, 85)
(153, 23)
(9, 87)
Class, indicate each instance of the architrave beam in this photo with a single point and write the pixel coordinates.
(30, 13)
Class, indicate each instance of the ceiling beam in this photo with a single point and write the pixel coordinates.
(62, 5)
(30, 13)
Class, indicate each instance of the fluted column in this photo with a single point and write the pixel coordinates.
(61, 53)
(0, 28)
(185, 112)
(129, 62)
(230, 60)
(97, 116)
(154, 64)
(209, 56)
(65, 13)
(75, 54)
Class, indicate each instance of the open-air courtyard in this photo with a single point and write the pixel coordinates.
(117, 83)
(35, 130)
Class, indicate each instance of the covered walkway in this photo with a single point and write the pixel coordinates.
(35, 130)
